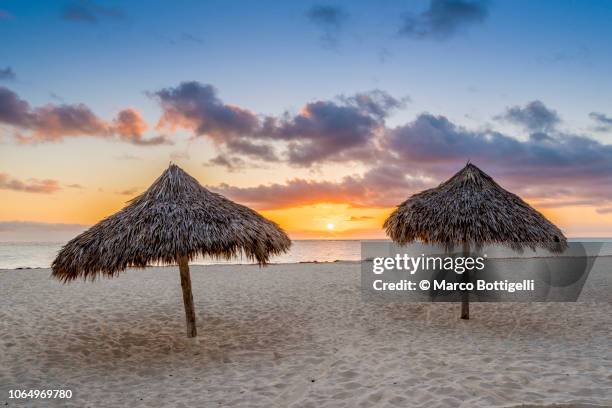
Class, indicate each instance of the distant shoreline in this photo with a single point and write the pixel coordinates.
(40, 255)
(338, 261)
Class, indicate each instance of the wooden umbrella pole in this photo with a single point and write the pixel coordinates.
(187, 297)
(465, 295)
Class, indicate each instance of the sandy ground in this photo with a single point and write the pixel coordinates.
(293, 336)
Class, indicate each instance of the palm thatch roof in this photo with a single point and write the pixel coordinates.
(175, 218)
(472, 208)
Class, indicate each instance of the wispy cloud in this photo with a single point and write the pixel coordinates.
(231, 164)
(192, 38)
(443, 19)
(329, 19)
(603, 122)
(581, 54)
(88, 11)
(129, 191)
(182, 38)
(534, 117)
(361, 218)
(46, 186)
(7, 74)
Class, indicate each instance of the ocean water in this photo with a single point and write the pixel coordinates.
(40, 254)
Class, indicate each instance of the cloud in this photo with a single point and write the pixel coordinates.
(89, 12)
(54, 122)
(603, 123)
(378, 187)
(329, 19)
(581, 54)
(231, 164)
(434, 139)
(129, 191)
(197, 107)
(46, 186)
(13, 111)
(333, 131)
(361, 218)
(443, 19)
(7, 74)
(75, 186)
(337, 130)
(187, 37)
(328, 16)
(183, 38)
(130, 126)
(325, 130)
(376, 102)
(49, 122)
(606, 210)
(253, 150)
(534, 117)
(550, 169)
(353, 129)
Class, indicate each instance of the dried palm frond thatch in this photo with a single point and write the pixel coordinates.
(471, 209)
(173, 221)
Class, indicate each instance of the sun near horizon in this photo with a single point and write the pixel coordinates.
(323, 151)
(320, 220)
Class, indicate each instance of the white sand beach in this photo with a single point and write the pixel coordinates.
(293, 335)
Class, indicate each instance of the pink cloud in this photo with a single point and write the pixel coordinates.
(46, 186)
(53, 122)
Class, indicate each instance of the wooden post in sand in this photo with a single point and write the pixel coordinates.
(472, 210)
(465, 295)
(187, 297)
(173, 221)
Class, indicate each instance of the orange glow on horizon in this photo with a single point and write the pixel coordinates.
(329, 221)
(318, 221)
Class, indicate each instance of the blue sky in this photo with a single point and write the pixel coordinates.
(271, 57)
(353, 104)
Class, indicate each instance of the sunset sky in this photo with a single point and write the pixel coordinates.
(320, 115)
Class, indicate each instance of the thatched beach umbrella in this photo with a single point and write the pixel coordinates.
(174, 221)
(472, 210)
